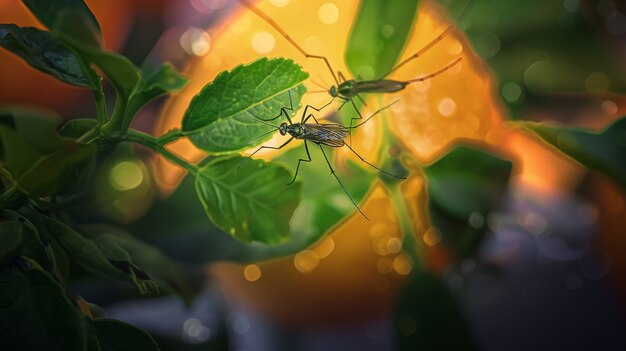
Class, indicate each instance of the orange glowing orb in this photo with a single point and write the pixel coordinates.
(356, 270)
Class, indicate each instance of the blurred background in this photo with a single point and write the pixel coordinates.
(547, 269)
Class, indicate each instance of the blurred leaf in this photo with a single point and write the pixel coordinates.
(71, 18)
(111, 262)
(34, 243)
(428, 317)
(463, 188)
(43, 52)
(378, 36)
(75, 128)
(113, 335)
(151, 259)
(10, 242)
(219, 119)
(153, 84)
(193, 239)
(252, 204)
(603, 151)
(36, 314)
(538, 47)
(41, 162)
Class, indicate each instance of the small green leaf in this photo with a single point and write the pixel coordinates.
(41, 162)
(153, 84)
(378, 36)
(75, 128)
(35, 313)
(463, 188)
(428, 317)
(323, 206)
(44, 52)
(254, 204)
(603, 151)
(156, 264)
(10, 242)
(111, 262)
(219, 120)
(62, 16)
(113, 335)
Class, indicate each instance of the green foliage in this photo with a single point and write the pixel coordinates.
(36, 313)
(43, 51)
(154, 83)
(11, 238)
(604, 151)
(378, 36)
(324, 205)
(40, 161)
(463, 188)
(251, 206)
(220, 119)
(104, 258)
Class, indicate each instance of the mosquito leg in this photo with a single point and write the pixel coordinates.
(315, 108)
(433, 75)
(332, 171)
(308, 155)
(259, 149)
(374, 114)
(283, 111)
(419, 52)
(284, 34)
(360, 98)
(341, 77)
(352, 119)
(378, 169)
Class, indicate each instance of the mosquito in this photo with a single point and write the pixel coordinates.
(321, 134)
(348, 89)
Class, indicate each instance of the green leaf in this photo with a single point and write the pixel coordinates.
(75, 128)
(323, 206)
(34, 243)
(463, 188)
(153, 84)
(35, 313)
(111, 262)
(41, 162)
(44, 52)
(10, 242)
(115, 242)
(219, 120)
(378, 36)
(603, 151)
(113, 335)
(253, 204)
(428, 317)
(71, 18)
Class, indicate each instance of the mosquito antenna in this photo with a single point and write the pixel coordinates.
(275, 25)
(317, 91)
(262, 135)
(433, 75)
(318, 84)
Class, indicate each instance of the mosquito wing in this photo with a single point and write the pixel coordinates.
(329, 134)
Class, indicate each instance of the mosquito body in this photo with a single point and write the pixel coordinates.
(348, 89)
(321, 134)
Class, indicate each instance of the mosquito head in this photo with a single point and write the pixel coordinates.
(333, 91)
(283, 128)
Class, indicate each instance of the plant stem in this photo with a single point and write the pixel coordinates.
(409, 243)
(155, 145)
(101, 107)
(115, 126)
(170, 136)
